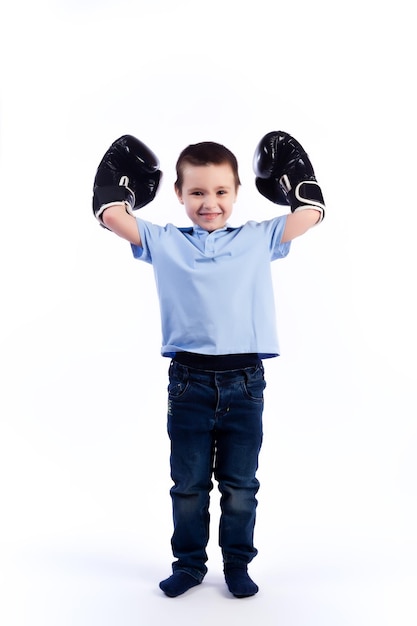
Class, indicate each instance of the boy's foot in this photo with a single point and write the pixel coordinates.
(178, 583)
(239, 582)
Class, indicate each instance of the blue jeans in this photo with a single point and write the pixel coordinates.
(215, 429)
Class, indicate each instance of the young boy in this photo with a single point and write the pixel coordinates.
(218, 323)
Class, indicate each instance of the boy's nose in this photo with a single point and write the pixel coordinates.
(210, 202)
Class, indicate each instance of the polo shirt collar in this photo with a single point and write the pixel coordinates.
(201, 232)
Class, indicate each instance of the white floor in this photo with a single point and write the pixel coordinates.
(113, 580)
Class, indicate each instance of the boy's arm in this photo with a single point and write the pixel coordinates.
(299, 223)
(120, 222)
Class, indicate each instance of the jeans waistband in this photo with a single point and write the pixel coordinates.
(212, 377)
(217, 363)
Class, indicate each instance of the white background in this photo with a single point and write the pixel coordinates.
(85, 511)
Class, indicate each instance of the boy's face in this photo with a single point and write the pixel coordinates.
(208, 194)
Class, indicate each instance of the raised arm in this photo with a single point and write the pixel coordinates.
(299, 223)
(127, 179)
(119, 221)
(284, 175)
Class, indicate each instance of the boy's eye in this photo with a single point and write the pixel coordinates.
(220, 192)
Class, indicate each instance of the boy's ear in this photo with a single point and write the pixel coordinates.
(178, 194)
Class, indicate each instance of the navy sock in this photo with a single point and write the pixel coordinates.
(178, 583)
(239, 582)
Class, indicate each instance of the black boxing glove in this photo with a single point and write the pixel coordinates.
(284, 174)
(129, 173)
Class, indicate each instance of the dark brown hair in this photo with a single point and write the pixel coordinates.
(205, 153)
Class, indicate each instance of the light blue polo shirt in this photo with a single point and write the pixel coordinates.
(215, 289)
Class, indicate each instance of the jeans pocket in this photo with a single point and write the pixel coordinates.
(253, 386)
(177, 388)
